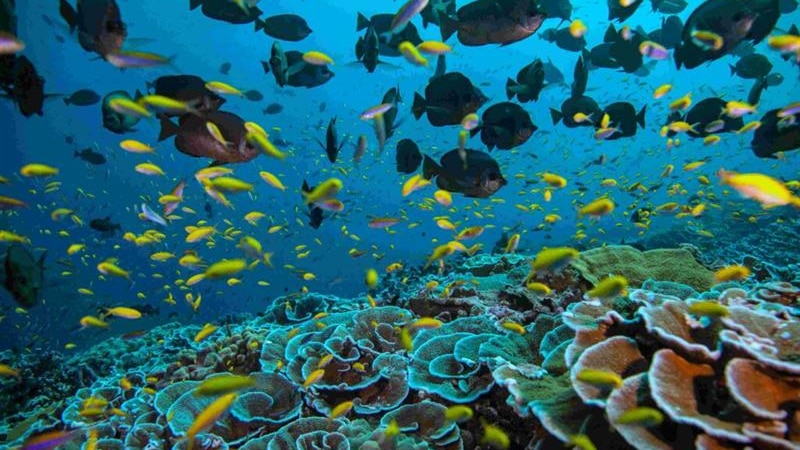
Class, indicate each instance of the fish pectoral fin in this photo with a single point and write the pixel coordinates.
(295, 68)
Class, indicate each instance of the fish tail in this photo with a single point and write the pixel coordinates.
(361, 22)
(556, 115)
(447, 25)
(640, 116)
(418, 107)
(430, 168)
(168, 129)
(260, 25)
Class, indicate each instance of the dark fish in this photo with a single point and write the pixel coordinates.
(331, 145)
(28, 90)
(704, 113)
(368, 49)
(505, 125)
(621, 13)
(625, 51)
(192, 137)
(561, 9)
(105, 226)
(669, 35)
(114, 121)
(208, 209)
(600, 56)
(24, 275)
(225, 68)
(189, 89)
(751, 66)
(485, 22)
(254, 95)
(623, 117)
(227, 10)
(776, 134)
(83, 97)
(392, 96)
(91, 156)
(574, 105)
(669, 6)
(754, 96)
(315, 215)
(382, 23)
(480, 177)
(99, 24)
(277, 64)
(530, 82)
(787, 6)
(435, 9)
(580, 77)
(733, 20)
(298, 73)
(286, 27)
(563, 39)
(273, 108)
(448, 99)
(408, 156)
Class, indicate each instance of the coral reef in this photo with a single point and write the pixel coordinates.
(676, 362)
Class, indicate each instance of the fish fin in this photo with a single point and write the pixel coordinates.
(361, 22)
(556, 115)
(68, 13)
(733, 69)
(429, 168)
(418, 107)
(640, 116)
(447, 26)
(265, 66)
(511, 85)
(321, 144)
(360, 48)
(295, 68)
(475, 131)
(194, 4)
(305, 187)
(168, 129)
(66, 101)
(260, 25)
(611, 34)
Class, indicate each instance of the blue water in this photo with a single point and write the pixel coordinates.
(201, 45)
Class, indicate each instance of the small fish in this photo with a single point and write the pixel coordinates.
(459, 413)
(707, 40)
(9, 44)
(317, 58)
(608, 288)
(731, 273)
(383, 222)
(38, 170)
(641, 415)
(7, 371)
(218, 87)
(208, 417)
(553, 259)
(123, 312)
(494, 436)
(207, 330)
(224, 384)
(577, 29)
(599, 377)
(708, 309)
(313, 377)
(342, 409)
(126, 59)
